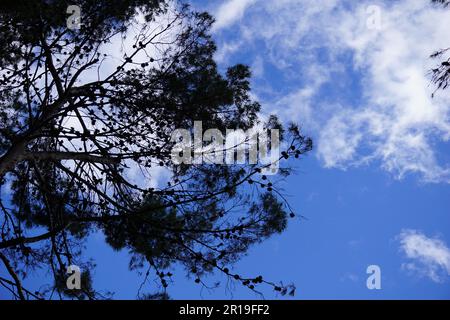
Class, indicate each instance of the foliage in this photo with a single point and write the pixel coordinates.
(70, 145)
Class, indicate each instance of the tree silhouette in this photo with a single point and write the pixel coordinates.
(444, 3)
(440, 75)
(73, 130)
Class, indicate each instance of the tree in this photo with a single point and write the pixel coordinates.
(73, 128)
(440, 75)
(444, 3)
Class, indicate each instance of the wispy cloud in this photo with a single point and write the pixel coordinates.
(363, 92)
(352, 277)
(429, 257)
(230, 12)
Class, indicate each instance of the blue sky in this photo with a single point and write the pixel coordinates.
(354, 220)
(375, 190)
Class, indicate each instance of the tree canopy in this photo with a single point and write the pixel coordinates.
(82, 134)
(440, 75)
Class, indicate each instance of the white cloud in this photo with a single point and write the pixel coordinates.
(388, 115)
(430, 256)
(226, 50)
(230, 12)
(258, 67)
(399, 119)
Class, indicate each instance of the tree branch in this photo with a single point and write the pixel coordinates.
(54, 155)
(13, 275)
(23, 240)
